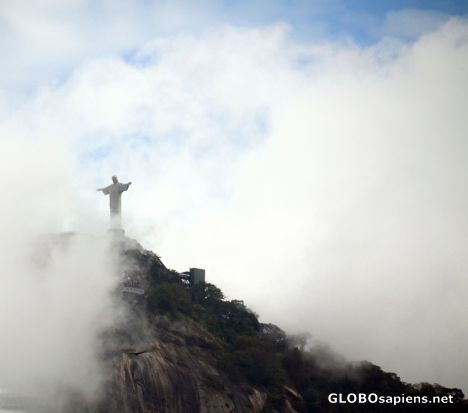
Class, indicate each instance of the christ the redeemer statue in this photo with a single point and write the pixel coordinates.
(115, 195)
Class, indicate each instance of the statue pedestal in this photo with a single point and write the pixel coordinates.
(117, 232)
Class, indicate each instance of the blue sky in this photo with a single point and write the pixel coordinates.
(308, 18)
(354, 18)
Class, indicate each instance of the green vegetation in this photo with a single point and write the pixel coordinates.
(264, 356)
(169, 297)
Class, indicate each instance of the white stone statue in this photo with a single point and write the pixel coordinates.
(115, 197)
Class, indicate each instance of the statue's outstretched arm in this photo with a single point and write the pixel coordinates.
(124, 187)
(105, 190)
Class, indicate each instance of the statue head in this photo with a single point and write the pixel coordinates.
(114, 179)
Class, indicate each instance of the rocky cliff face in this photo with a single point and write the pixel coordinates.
(173, 372)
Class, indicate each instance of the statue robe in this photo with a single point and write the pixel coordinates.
(115, 195)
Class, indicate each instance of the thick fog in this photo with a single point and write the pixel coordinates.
(56, 294)
(322, 182)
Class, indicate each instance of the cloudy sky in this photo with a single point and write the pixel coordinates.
(310, 155)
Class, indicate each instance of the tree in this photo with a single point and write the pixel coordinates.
(207, 294)
(169, 297)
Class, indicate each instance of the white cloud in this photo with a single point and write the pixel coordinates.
(41, 41)
(324, 184)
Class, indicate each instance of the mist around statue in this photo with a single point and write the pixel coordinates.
(56, 295)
